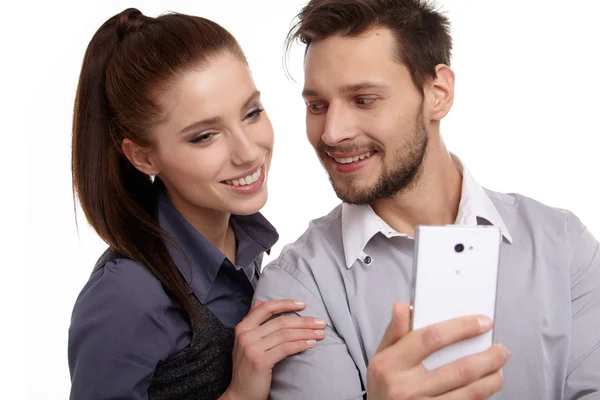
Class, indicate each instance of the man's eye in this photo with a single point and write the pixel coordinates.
(364, 101)
(317, 108)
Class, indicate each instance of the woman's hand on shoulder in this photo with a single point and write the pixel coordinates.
(262, 341)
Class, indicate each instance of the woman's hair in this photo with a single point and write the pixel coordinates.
(129, 62)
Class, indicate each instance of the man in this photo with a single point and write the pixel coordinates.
(377, 85)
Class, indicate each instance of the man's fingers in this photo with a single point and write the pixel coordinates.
(483, 388)
(465, 371)
(398, 326)
(417, 345)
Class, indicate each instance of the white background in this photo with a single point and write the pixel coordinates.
(524, 120)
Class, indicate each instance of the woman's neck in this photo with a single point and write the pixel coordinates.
(212, 224)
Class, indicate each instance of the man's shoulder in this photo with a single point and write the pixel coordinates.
(520, 211)
(322, 238)
(319, 247)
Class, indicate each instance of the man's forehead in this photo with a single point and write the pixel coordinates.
(346, 65)
(337, 55)
(378, 38)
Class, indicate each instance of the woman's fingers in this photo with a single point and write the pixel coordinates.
(265, 310)
(286, 349)
(289, 336)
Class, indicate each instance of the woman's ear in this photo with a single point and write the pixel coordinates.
(140, 157)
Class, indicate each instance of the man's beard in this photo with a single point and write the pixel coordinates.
(406, 168)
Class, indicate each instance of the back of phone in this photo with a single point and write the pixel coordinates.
(455, 274)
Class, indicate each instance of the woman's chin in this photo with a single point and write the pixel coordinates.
(251, 205)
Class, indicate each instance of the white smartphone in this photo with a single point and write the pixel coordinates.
(455, 274)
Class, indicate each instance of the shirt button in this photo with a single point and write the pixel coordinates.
(368, 260)
(246, 300)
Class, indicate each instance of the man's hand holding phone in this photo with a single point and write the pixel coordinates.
(396, 370)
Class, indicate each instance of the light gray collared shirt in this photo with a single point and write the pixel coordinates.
(350, 267)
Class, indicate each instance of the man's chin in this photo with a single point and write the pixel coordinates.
(353, 195)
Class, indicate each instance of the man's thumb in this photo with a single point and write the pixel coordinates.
(398, 327)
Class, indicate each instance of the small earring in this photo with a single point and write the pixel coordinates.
(152, 178)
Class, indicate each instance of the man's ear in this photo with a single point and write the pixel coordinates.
(140, 157)
(439, 92)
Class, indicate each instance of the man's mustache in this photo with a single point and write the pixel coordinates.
(323, 148)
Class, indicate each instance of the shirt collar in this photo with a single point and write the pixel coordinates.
(360, 222)
(197, 259)
(476, 207)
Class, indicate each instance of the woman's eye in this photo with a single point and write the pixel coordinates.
(254, 114)
(202, 138)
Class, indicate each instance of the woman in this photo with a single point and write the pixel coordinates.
(171, 150)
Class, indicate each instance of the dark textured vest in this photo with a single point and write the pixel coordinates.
(203, 370)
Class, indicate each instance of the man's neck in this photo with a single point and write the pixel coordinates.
(434, 197)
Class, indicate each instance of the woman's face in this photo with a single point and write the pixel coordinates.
(213, 149)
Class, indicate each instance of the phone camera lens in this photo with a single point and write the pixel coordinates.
(459, 248)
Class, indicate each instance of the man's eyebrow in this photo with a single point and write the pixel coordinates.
(309, 93)
(350, 88)
(355, 87)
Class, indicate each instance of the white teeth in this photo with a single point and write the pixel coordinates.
(248, 180)
(349, 160)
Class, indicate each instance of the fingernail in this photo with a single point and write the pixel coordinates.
(320, 333)
(503, 349)
(501, 372)
(484, 322)
(506, 352)
(320, 321)
(311, 342)
(300, 303)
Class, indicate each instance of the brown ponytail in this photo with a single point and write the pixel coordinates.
(128, 62)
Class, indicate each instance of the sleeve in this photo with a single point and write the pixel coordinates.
(117, 336)
(326, 371)
(583, 375)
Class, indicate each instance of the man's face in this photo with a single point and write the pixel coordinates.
(364, 116)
